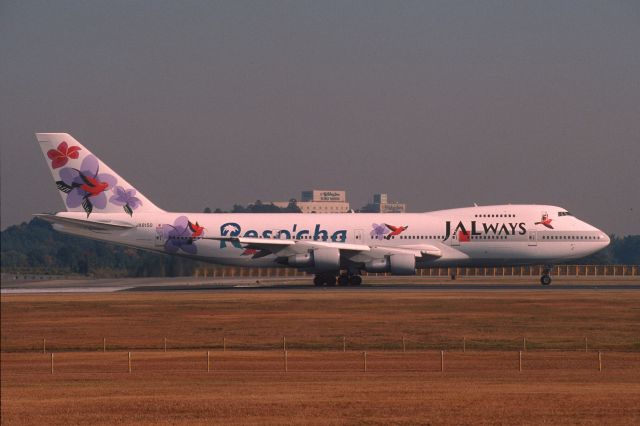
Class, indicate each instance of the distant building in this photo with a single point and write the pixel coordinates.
(320, 201)
(381, 204)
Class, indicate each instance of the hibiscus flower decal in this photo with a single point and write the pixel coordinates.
(85, 186)
(126, 198)
(60, 156)
(379, 231)
(179, 237)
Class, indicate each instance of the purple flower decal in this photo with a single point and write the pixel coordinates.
(85, 186)
(178, 237)
(125, 198)
(379, 231)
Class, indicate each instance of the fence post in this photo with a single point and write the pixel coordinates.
(524, 343)
(51, 362)
(104, 344)
(441, 361)
(519, 360)
(364, 358)
(165, 344)
(344, 344)
(129, 358)
(208, 363)
(285, 362)
(44, 346)
(284, 343)
(599, 360)
(464, 344)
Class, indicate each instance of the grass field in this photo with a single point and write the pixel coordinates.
(559, 382)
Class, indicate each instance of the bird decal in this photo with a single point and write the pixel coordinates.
(196, 230)
(90, 185)
(395, 230)
(545, 221)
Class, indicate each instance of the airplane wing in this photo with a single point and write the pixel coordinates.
(92, 225)
(288, 247)
(353, 252)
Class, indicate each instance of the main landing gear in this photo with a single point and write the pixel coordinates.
(545, 279)
(330, 280)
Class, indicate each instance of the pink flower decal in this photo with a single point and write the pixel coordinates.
(126, 198)
(61, 155)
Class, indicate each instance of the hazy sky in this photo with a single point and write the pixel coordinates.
(441, 104)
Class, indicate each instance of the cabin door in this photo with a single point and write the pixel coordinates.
(358, 236)
(160, 237)
(533, 238)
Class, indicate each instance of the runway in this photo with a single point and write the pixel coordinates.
(408, 287)
(301, 285)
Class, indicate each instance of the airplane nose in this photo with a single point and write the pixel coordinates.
(605, 239)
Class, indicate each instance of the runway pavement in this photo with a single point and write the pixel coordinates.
(244, 285)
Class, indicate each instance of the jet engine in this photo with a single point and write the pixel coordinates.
(397, 264)
(318, 260)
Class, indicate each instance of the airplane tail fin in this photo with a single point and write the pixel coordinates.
(85, 182)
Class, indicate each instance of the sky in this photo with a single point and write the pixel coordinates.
(440, 104)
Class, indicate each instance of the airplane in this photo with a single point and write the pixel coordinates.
(336, 248)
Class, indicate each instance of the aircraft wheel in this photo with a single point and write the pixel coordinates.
(343, 280)
(330, 280)
(318, 280)
(355, 280)
(545, 280)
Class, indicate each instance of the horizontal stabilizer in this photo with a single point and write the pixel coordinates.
(92, 225)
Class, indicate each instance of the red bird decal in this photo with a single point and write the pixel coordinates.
(196, 229)
(546, 221)
(395, 230)
(92, 186)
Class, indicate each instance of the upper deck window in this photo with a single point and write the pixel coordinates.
(564, 214)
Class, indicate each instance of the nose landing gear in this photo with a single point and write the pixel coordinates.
(545, 279)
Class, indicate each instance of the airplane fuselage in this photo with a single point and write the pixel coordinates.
(472, 236)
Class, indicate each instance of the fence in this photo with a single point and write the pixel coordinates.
(401, 343)
(254, 362)
(341, 355)
(501, 271)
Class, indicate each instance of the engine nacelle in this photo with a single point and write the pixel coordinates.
(397, 264)
(403, 264)
(301, 260)
(377, 265)
(319, 260)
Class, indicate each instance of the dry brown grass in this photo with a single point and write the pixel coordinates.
(323, 385)
(319, 320)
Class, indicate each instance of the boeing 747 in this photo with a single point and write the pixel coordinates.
(102, 205)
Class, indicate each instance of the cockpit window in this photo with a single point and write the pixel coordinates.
(564, 214)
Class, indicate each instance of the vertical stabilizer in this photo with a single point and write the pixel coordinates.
(85, 182)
